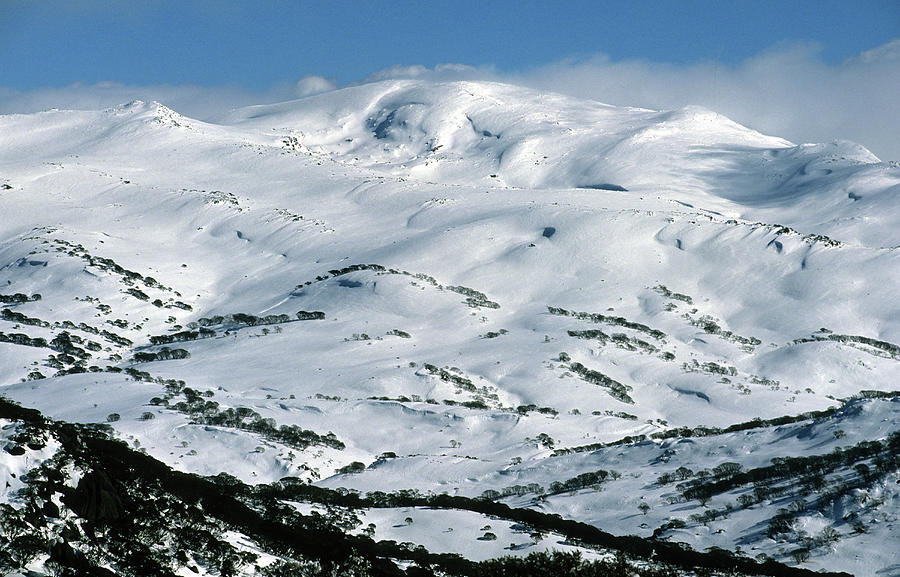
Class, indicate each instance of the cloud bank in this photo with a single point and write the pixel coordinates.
(787, 91)
(790, 92)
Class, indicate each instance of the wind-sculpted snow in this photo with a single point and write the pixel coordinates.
(476, 289)
(465, 132)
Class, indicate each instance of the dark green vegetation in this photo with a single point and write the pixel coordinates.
(23, 339)
(201, 410)
(481, 395)
(182, 336)
(824, 483)
(662, 290)
(129, 277)
(810, 483)
(16, 317)
(618, 339)
(609, 320)
(878, 348)
(73, 351)
(129, 514)
(18, 298)
(245, 320)
(757, 423)
(616, 389)
(474, 298)
(164, 354)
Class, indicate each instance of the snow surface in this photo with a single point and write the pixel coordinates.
(532, 200)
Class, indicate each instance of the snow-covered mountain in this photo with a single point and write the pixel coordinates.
(660, 324)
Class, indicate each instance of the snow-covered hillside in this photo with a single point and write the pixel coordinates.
(476, 289)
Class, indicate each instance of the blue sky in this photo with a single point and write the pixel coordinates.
(257, 44)
(806, 70)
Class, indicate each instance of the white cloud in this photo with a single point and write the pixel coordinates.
(884, 53)
(447, 72)
(309, 85)
(789, 92)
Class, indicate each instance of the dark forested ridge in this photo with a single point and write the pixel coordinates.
(129, 514)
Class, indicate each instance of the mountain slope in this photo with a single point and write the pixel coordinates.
(410, 285)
